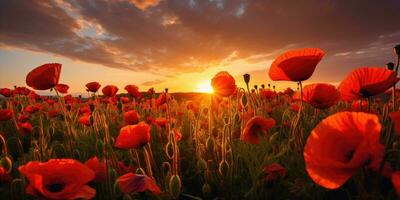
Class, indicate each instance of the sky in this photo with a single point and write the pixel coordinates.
(182, 44)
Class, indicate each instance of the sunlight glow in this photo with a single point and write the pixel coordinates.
(204, 87)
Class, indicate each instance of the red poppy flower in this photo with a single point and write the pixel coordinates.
(85, 120)
(6, 114)
(5, 92)
(295, 65)
(99, 168)
(32, 95)
(162, 99)
(23, 117)
(31, 109)
(321, 95)
(24, 128)
(294, 107)
(274, 171)
(288, 91)
(44, 77)
(256, 126)
(223, 84)
(131, 117)
(367, 81)
(133, 136)
(110, 90)
(125, 100)
(396, 182)
(340, 145)
(53, 113)
(267, 93)
(93, 86)
(131, 182)
(359, 106)
(21, 91)
(161, 122)
(58, 179)
(84, 110)
(133, 90)
(62, 88)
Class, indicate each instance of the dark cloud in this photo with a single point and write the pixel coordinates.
(177, 36)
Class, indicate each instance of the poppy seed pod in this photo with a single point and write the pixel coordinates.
(246, 78)
(175, 186)
(390, 66)
(397, 49)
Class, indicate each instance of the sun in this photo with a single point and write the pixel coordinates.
(204, 87)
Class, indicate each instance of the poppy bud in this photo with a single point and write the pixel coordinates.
(175, 186)
(169, 150)
(206, 189)
(6, 163)
(397, 49)
(166, 90)
(390, 66)
(246, 78)
(223, 168)
(262, 86)
(201, 165)
(244, 100)
(140, 171)
(269, 85)
(256, 87)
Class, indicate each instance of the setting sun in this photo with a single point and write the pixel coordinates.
(204, 87)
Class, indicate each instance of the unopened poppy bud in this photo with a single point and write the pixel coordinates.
(140, 171)
(262, 86)
(175, 186)
(201, 165)
(273, 87)
(166, 90)
(223, 168)
(246, 78)
(256, 87)
(169, 150)
(269, 85)
(244, 100)
(91, 106)
(6, 163)
(397, 49)
(390, 66)
(206, 189)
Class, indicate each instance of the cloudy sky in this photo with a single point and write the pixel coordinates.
(181, 44)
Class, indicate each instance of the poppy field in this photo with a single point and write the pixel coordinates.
(317, 141)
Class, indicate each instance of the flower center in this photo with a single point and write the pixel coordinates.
(349, 155)
(55, 187)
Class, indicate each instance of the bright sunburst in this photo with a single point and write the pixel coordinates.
(204, 87)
